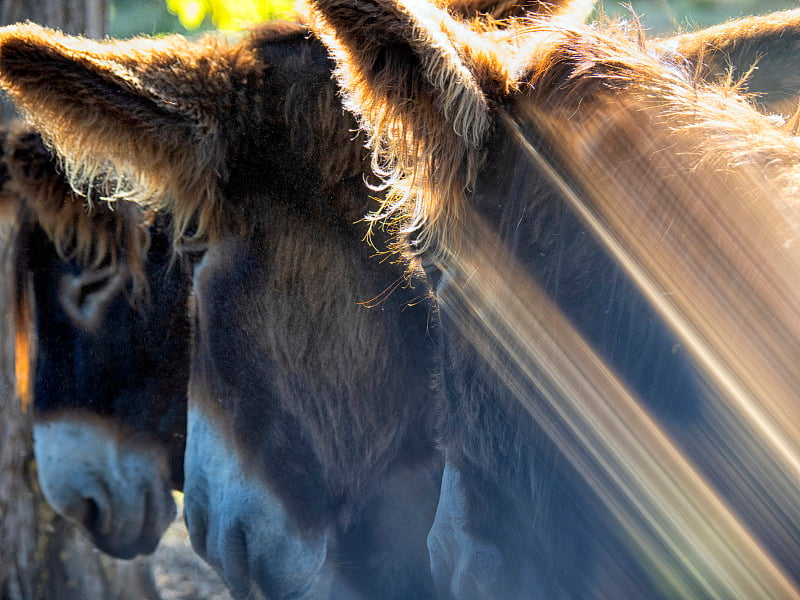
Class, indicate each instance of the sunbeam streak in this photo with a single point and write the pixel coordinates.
(720, 265)
(684, 528)
(740, 325)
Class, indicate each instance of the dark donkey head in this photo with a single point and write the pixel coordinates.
(309, 425)
(578, 197)
(102, 315)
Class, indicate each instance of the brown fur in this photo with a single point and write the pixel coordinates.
(590, 125)
(91, 234)
(325, 399)
(455, 126)
(185, 178)
(336, 374)
(234, 95)
(153, 177)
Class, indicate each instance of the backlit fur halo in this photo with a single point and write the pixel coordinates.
(581, 72)
(454, 117)
(462, 68)
(159, 122)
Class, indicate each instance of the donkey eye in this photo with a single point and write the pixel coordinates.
(191, 249)
(86, 296)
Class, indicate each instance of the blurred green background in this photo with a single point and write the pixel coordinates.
(664, 16)
(130, 17)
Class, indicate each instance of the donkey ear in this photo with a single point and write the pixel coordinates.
(762, 52)
(134, 106)
(412, 56)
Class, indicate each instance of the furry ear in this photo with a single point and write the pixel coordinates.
(757, 55)
(141, 117)
(422, 82)
(406, 54)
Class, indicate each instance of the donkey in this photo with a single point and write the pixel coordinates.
(309, 464)
(538, 178)
(75, 413)
(110, 419)
(194, 125)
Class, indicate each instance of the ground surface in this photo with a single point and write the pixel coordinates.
(179, 573)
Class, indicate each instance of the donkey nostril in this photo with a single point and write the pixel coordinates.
(91, 516)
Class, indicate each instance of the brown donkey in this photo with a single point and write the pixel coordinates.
(342, 441)
(613, 244)
(99, 312)
(294, 383)
(310, 450)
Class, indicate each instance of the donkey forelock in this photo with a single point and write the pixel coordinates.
(81, 228)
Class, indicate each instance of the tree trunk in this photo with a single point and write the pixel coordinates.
(42, 556)
(87, 17)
